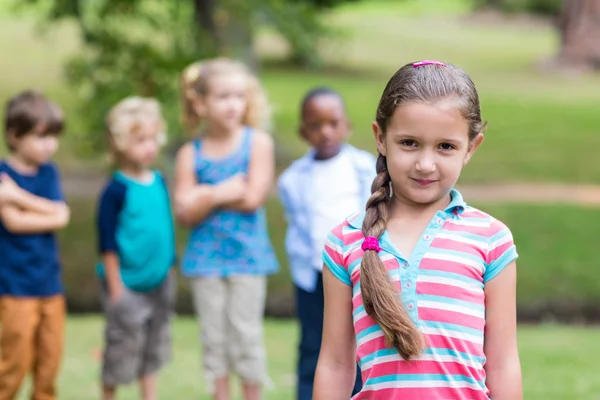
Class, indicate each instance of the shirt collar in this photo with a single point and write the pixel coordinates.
(457, 204)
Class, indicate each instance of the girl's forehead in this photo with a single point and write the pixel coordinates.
(229, 80)
(441, 118)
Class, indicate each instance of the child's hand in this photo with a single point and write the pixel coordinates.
(115, 293)
(232, 189)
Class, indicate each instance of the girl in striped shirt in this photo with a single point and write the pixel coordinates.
(421, 288)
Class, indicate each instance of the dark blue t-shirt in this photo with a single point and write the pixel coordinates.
(135, 221)
(29, 264)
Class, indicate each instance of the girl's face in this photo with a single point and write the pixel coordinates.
(226, 101)
(426, 146)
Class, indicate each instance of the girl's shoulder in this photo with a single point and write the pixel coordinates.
(474, 219)
(260, 137)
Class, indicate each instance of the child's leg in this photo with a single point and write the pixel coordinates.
(310, 314)
(49, 347)
(124, 340)
(245, 312)
(210, 297)
(20, 319)
(148, 387)
(157, 350)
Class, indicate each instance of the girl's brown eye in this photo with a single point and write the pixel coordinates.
(408, 143)
(446, 146)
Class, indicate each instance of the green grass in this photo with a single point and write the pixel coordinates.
(557, 263)
(542, 126)
(558, 362)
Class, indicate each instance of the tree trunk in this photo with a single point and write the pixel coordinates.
(579, 25)
(229, 24)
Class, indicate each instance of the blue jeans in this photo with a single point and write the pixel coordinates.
(310, 314)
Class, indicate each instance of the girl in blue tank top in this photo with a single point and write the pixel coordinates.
(223, 179)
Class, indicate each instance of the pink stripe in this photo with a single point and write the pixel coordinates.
(426, 367)
(453, 292)
(454, 245)
(451, 266)
(446, 342)
(449, 317)
(352, 237)
(484, 231)
(498, 251)
(423, 393)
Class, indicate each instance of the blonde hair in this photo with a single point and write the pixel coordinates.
(125, 117)
(195, 81)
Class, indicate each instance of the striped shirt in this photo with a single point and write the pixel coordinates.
(442, 288)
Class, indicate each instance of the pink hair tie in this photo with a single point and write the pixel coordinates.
(371, 243)
(428, 62)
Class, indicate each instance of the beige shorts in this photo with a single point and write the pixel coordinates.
(231, 313)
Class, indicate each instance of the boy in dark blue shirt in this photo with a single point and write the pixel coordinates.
(137, 247)
(32, 307)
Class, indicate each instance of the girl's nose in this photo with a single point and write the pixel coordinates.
(426, 164)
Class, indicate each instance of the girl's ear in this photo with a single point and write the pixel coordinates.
(473, 145)
(379, 138)
(199, 105)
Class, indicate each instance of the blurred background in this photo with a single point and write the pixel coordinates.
(533, 61)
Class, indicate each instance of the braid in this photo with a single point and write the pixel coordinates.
(380, 296)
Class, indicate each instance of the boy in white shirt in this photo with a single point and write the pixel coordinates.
(332, 181)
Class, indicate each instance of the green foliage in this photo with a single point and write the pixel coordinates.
(139, 47)
(542, 7)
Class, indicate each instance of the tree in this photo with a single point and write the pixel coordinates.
(579, 26)
(139, 47)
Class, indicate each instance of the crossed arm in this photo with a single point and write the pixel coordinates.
(24, 213)
(195, 201)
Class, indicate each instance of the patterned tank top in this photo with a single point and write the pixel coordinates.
(228, 242)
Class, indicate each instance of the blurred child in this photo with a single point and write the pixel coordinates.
(137, 247)
(421, 288)
(329, 183)
(223, 178)
(32, 305)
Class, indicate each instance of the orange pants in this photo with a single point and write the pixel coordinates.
(31, 340)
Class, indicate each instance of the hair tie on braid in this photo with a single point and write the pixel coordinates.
(371, 243)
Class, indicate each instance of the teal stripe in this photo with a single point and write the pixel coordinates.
(500, 263)
(430, 351)
(377, 354)
(504, 232)
(452, 327)
(335, 240)
(367, 331)
(449, 300)
(454, 353)
(423, 377)
(336, 269)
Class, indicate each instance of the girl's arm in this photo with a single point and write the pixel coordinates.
(336, 369)
(503, 368)
(193, 202)
(261, 173)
